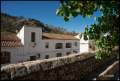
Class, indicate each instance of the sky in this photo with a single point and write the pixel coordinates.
(45, 11)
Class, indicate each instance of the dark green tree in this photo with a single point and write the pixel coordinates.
(105, 31)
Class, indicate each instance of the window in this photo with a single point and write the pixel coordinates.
(47, 57)
(75, 51)
(68, 53)
(58, 45)
(59, 54)
(76, 44)
(32, 36)
(68, 45)
(32, 58)
(46, 45)
(38, 55)
(5, 57)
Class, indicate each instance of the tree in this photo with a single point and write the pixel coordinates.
(106, 31)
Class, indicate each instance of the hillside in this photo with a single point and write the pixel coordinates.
(12, 23)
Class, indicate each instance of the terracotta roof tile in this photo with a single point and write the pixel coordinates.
(58, 36)
(10, 40)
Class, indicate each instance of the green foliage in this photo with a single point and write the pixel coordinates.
(106, 31)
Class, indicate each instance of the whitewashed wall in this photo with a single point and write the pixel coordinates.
(84, 44)
(40, 44)
(24, 53)
(20, 35)
(51, 51)
(16, 54)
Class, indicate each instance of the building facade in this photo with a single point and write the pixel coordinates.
(30, 43)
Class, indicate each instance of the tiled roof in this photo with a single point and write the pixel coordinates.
(58, 36)
(10, 40)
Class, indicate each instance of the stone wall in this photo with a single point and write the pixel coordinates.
(63, 68)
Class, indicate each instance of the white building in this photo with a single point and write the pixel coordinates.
(30, 43)
(84, 44)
